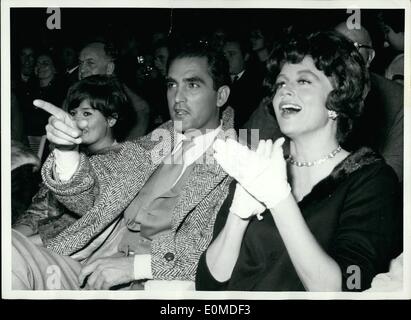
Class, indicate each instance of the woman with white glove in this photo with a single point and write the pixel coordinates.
(333, 220)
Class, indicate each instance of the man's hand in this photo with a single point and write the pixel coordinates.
(62, 130)
(105, 273)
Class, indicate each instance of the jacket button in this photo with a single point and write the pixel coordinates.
(169, 256)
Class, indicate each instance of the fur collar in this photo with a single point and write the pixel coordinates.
(355, 161)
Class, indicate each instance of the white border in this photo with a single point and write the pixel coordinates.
(5, 149)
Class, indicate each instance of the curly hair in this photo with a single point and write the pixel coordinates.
(104, 93)
(340, 61)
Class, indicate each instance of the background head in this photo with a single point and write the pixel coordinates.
(340, 62)
(361, 39)
(97, 58)
(161, 53)
(392, 23)
(237, 52)
(27, 58)
(45, 67)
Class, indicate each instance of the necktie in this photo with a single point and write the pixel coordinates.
(173, 165)
(160, 182)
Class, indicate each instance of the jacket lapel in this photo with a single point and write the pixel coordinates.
(205, 177)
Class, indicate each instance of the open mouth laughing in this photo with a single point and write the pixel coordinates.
(287, 108)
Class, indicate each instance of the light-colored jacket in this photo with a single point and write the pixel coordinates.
(104, 185)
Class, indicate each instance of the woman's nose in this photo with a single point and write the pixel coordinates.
(287, 89)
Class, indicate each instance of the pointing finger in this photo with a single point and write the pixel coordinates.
(50, 108)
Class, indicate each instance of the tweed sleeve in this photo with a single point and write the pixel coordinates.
(77, 194)
(175, 256)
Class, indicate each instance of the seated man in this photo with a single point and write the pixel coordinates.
(142, 217)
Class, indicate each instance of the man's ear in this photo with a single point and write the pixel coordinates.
(222, 95)
(110, 68)
(246, 57)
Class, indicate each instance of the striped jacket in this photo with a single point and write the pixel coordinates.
(104, 185)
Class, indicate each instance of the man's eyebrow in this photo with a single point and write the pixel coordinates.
(169, 79)
(194, 79)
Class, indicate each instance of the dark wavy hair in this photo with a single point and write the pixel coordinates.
(104, 93)
(340, 61)
(217, 63)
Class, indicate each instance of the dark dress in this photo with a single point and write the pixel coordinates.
(353, 214)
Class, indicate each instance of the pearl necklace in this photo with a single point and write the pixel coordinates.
(313, 163)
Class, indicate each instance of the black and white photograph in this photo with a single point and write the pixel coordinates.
(205, 150)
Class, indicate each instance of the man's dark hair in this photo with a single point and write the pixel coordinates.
(340, 61)
(217, 63)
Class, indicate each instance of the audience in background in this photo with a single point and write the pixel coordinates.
(100, 58)
(381, 125)
(392, 24)
(48, 85)
(246, 81)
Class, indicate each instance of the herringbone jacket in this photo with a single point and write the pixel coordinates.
(104, 185)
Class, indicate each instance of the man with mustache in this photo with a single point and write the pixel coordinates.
(149, 207)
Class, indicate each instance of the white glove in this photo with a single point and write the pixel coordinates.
(262, 173)
(245, 205)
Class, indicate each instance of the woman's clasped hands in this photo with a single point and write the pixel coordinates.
(262, 173)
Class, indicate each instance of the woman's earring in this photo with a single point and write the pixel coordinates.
(332, 114)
